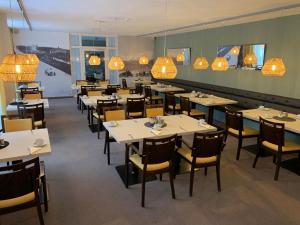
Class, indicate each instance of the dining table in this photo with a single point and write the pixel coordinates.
(164, 88)
(12, 108)
(207, 100)
(21, 145)
(135, 130)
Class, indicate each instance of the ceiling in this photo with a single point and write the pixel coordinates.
(139, 17)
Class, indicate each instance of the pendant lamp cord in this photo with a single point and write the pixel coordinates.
(166, 14)
(12, 30)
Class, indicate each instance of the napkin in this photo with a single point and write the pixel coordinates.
(203, 124)
(298, 116)
(33, 149)
(155, 132)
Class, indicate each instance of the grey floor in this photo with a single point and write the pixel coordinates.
(84, 190)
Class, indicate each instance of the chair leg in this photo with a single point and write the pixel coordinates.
(274, 158)
(192, 180)
(239, 148)
(277, 166)
(218, 176)
(39, 211)
(108, 152)
(98, 129)
(127, 165)
(257, 155)
(205, 171)
(172, 183)
(105, 146)
(160, 177)
(143, 190)
(45, 195)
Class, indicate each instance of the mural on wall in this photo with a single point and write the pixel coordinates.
(54, 70)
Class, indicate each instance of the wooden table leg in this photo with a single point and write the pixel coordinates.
(210, 118)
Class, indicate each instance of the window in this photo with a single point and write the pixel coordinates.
(93, 41)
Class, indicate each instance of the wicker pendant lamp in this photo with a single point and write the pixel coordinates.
(18, 67)
(116, 63)
(220, 64)
(250, 59)
(143, 60)
(235, 50)
(180, 57)
(94, 60)
(200, 63)
(164, 67)
(274, 67)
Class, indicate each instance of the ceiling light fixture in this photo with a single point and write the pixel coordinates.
(180, 57)
(143, 60)
(116, 63)
(235, 50)
(220, 63)
(164, 67)
(250, 59)
(274, 67)
(200, 63)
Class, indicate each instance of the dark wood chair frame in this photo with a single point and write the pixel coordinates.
(37, 110)
(235, 121)
(170, 99)
(20, 179)
(124, 83)
(154, 151)
(135, 105)
(185, 105)
(273, 133)
(149, 96)
(206, 145)
(29, 91)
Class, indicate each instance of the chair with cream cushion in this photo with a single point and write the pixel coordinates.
(154, 110)
(98, 115)
(14, 123)
(156, 158)
(111, 114)
(153, 99)
(135, 108)
(272, 139)
(235, 127)
(171, 105)
(38, 112)
(94, 93)
(34, 85)
(185, 107)
(32, 95)
(123, 91)
(205, 152)
(28, 90)
(21, 189)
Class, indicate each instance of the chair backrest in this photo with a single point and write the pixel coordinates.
(170, 99)
(271, 132)
(16, 123)
(158, 150)
(112, 89)
(94, 93)
(37, 110)
(32, 95)
(114, 113)
(136, 105)
(185, 104)
(139, 88)
(101, 104)
(34, 85)
(124, 83)
(123, 91)
(234, 120)
(81, 82)
(155, 110)
(19, 179)
(85, 88)
(28, 90)
(148, 91)
(209, 144)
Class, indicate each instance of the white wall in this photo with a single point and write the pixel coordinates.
(131, 48)
(55, 86)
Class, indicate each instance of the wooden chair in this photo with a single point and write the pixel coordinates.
(91, 92)
(84, 91)
(153, 99)
(185, 108)
(123, 91)
(271, 138)
(234, 127)
(135, 108)
(111, 114)
(205, 152)
(156, 158)
(34, 84)
(14, 123)
(82, 82)
(21, 189)
(138, 88)
(28, 90)
(112, 89)
(155, 110)
(124, 83)
(38, 112)
(171, 104)
(99, 111)
(32, 95)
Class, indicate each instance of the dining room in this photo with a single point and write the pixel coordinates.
(149, 112)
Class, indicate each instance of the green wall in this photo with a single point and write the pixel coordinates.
(282, 36)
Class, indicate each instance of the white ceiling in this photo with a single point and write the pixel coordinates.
(137, 17)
